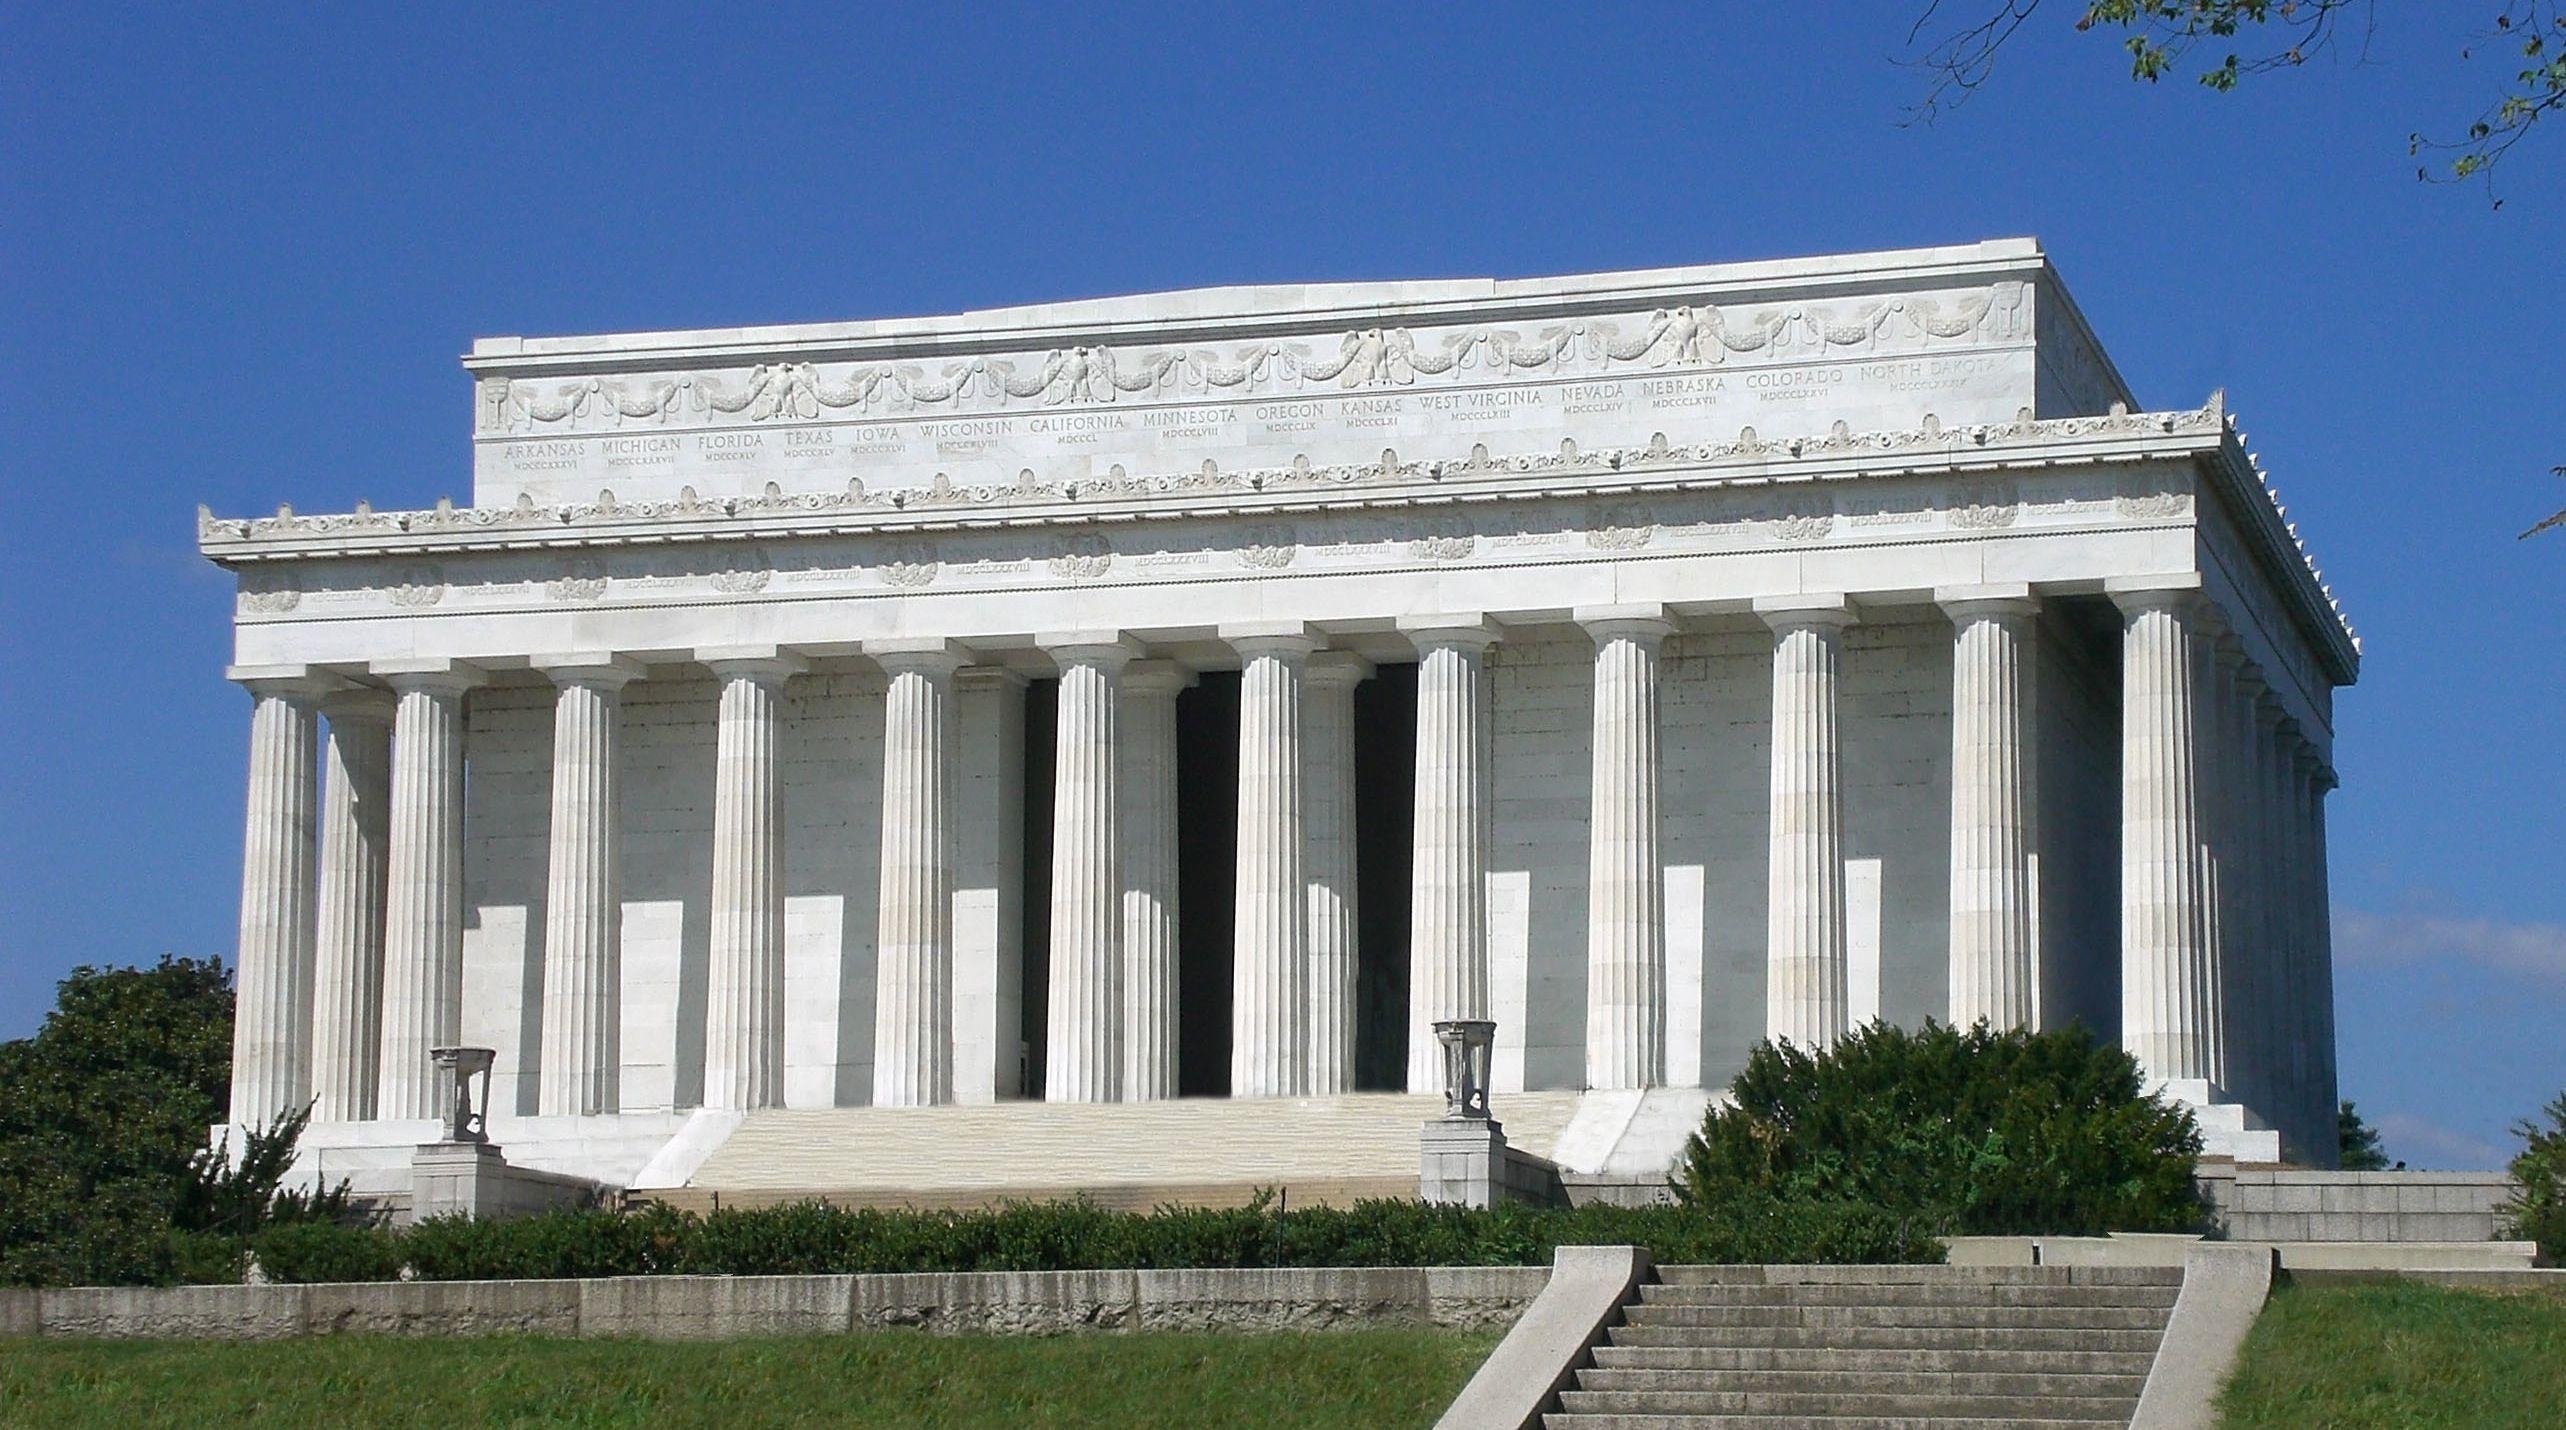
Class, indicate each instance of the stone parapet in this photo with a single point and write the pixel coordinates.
(721, 1307)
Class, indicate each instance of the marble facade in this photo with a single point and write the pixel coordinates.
(1651, 662)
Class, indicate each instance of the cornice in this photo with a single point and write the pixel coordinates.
(2203, 435)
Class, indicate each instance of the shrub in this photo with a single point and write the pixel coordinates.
(324, 1251)
(2536, 1211)
(812, 1238)
(1972, 1133)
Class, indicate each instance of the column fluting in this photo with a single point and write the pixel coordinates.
(1993, 974)
(347, 974)
(1625, 875)
(2169, 1001)
(423, 886)
(1327, 736)
(1806, 993)
(1149, 794)
(271, 1032)
(744, 978)
(582, 1059)
(913, 986)
(1448, 893)
(1269, 971)
(1083, 1049)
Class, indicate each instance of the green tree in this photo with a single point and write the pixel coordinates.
(2537, 1209)
(105, 1173)
(100, 1114)
(2358, 1142)
(1976, 1132)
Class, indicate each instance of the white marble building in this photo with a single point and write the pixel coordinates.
(1200, 693)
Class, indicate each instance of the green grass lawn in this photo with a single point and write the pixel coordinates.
(893, 1378)
(2401, 1354)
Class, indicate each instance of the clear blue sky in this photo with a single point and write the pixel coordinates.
(240, 250)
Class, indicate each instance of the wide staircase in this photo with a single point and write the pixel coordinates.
(1134, 1155)
(1859, 1347)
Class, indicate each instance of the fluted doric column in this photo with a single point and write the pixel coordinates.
(2169, 990)
(1448, 890)
(1993, 974)
(2249, 1049)
(271, 1033)
(1083, 1049)
(1327, 782)
(1270, 967)
(423, 886)
(744, 979)
(1625, 877)
(347, 974)
(1148, 734)
(2275, 977)
(1806, 995)
(582, 1024)
(2317, 951)
(913, 946)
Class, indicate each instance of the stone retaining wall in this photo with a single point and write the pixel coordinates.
(2360, 1206)
(718, 1307)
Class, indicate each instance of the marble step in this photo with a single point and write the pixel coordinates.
(1874, 1337)
(1967, 1316)
(1619, 1421)
(1939, 1275)
(2073, 1385)
(1916, 1293)
(1910, 1407)
(2001, 1360)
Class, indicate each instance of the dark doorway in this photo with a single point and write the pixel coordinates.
(1206, 879)
(1042, 713)
(1385, 762)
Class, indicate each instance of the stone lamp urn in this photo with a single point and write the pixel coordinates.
(1468, 1044)
(467, 1113)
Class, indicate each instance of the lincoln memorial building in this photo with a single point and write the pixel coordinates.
(1088, 745)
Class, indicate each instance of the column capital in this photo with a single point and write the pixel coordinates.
(351, 703)
(1805, 613)
(926, 655)
(302, 684)
(433, 676)
(2268, 714)
(766, 664)
(1257, 639)
(1645, 623)
(601, 670)
(1459, 630)
(1336, 667)
(2249, 679)
(1112, 649)
(1156, 677)
(2179, 593)
(1996, 602)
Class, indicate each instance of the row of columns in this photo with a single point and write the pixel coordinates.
(2222, 849)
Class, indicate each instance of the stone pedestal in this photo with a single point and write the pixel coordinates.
(1462, 1161)
(473, 1180)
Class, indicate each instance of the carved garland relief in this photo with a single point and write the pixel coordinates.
(1677, 337)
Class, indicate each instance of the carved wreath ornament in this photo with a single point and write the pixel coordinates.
(1684, 336)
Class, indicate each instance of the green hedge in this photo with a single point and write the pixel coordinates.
(812, 1238)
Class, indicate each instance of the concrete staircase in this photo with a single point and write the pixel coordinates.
(1870, 1347)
